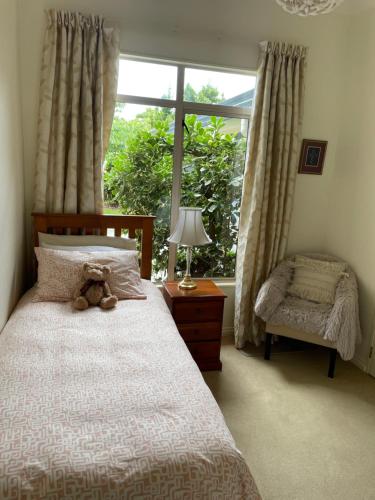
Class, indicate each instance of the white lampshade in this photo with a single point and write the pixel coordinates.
(189, 230)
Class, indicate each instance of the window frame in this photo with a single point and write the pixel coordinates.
(181, 109)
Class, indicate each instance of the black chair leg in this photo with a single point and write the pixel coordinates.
(332, 362)
(267, 347)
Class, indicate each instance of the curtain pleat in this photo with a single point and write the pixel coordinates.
(77, 101)
(269, 178)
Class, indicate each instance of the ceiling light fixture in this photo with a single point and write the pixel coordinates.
(309, 7)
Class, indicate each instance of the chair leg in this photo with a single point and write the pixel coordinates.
(267, 347)
(332, 362)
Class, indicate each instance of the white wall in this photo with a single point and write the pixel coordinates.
(11, 173)
(351, 209)
(217, 32)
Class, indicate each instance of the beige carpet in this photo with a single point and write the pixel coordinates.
(304, 436)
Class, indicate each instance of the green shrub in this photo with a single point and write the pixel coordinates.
(138, 179)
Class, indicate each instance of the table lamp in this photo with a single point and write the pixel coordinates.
(189, 232)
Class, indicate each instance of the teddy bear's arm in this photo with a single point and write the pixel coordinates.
(77, 291)
(106, 290)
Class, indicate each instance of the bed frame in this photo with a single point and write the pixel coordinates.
(136, 226)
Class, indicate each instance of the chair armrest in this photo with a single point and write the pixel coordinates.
(273, 291)
(343, 326)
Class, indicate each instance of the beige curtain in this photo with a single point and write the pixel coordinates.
(269, 179)
(77, 100)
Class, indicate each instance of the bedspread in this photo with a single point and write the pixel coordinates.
(109, 405)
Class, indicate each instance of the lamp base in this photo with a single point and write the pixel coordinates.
(187, 283)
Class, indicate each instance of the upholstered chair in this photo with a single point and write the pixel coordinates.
(335, 326)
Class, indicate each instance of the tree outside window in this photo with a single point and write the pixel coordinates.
(139, 176)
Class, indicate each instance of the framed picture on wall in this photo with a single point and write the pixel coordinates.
(312, 157)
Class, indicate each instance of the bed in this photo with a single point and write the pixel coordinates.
(109, 404)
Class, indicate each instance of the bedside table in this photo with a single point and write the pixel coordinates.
(198, 315)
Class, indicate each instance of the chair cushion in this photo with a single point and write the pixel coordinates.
(307, 316)
(315, 280)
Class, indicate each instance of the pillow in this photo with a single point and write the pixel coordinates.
(89, 249)
(46, 239)
(59, 273)
(315, 280)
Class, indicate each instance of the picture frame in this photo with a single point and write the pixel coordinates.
(312, 157)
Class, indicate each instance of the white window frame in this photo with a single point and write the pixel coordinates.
(181, 109)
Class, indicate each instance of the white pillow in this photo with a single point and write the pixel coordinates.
(59, 273)
(46, 240)
(84, 248)
(315, 280)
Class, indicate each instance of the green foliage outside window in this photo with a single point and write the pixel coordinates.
(138, 180)
(208, 94)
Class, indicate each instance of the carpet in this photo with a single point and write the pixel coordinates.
(303, 435)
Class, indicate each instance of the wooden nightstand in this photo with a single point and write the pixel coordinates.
(198, 315)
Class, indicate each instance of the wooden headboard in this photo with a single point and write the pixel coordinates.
(140, 226)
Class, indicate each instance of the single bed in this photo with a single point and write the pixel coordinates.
(109, 405)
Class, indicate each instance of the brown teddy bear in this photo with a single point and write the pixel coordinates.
(93, 289)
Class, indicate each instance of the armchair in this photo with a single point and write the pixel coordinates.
(334, 326)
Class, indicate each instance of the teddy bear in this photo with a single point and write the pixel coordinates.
(93, 288)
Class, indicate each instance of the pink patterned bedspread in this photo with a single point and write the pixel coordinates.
(109, 405)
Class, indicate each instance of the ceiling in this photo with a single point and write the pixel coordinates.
(355, 6)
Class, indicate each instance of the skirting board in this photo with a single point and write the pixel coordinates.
(360, 363)
(227, 331)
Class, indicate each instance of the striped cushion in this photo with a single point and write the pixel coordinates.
(315, 280)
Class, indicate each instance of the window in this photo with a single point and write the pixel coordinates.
(179, 138)
(216, 87)
(147, 79)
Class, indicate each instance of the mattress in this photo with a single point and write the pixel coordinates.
(109, 405)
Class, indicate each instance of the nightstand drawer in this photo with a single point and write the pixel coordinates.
(200, 331)
(197, 311)
(198, 314)
(204, 350)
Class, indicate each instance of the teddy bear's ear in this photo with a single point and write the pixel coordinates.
(106, 269)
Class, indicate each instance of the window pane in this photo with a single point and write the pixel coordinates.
(147, 79)
(218, 87)
(213, 164)
(138, 170)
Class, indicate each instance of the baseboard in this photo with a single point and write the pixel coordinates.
(360, 363)
(227, 331)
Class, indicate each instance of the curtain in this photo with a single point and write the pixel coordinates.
(77, 101)
(269, 178)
